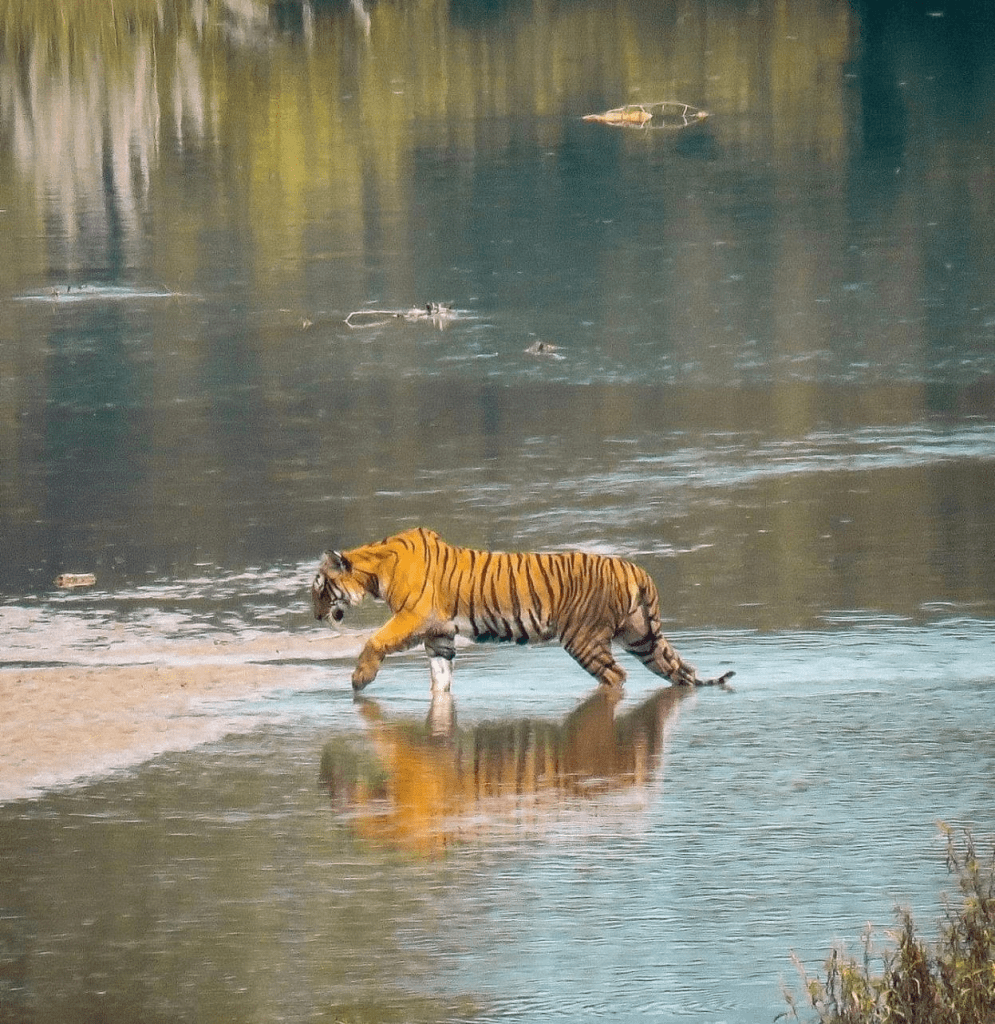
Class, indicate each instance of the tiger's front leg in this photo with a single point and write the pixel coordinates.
(368, 665)
(402, 632)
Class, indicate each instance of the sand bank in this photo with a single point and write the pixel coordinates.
(129, 703)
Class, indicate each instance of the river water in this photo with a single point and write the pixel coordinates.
(767, 374)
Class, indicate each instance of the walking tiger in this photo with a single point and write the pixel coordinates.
(437, 591)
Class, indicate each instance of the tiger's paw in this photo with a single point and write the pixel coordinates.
(361, 678)
(685, 676)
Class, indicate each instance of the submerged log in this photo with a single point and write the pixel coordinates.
(621, 115)
(666, 114)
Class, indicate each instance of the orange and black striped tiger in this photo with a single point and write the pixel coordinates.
(436, 591)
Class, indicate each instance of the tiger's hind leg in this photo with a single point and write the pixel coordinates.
(656, 653)
(593, 653)
(643, 637)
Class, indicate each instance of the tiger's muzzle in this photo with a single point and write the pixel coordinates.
(325, 601)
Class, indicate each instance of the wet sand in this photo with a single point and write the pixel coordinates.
(75, 721)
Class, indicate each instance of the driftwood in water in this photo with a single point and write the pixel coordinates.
(95, 293)
(666, 114)
(439, 313)
(68, 580)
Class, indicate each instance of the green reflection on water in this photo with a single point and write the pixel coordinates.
(272, 171)
(208, 888)
(802, 266)
(142, 100)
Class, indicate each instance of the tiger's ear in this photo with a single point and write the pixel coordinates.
(336, 561)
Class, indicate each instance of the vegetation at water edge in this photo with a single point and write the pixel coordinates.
(948, 981)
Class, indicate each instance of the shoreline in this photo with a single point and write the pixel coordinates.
(69, 723)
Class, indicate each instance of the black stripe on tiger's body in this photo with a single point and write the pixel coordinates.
(436, 591)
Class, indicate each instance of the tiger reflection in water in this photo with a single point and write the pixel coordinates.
(437, 591)
(433, 785)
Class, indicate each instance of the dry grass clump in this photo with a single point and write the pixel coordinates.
(948, 981)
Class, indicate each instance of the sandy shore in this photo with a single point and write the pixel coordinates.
(130, 703)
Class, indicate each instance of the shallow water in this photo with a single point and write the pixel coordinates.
(772, 385)
(431, 877)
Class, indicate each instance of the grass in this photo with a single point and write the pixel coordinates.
(948, 981)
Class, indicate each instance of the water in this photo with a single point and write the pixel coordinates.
(771, 386)
(778, 817)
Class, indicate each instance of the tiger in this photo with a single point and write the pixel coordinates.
(437, 591)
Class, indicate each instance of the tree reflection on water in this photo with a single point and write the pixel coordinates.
(274, 167)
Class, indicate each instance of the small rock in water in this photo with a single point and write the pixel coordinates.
(544, 348)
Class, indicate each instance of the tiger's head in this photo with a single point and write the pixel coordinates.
(335, 587)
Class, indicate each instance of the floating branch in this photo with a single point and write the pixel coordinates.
(667, 114)
(437, 312)
(95, 293)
